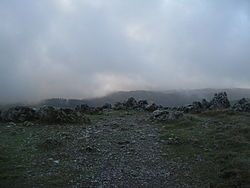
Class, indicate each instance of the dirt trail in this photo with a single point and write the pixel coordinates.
(131, 154)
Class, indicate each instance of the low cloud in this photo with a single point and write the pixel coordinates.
(86, 48)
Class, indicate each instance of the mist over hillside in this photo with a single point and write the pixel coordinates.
(165, 98)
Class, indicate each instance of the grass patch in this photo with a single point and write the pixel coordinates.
(215, 144)
(28, 154)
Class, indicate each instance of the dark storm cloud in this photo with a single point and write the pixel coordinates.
(85, 48)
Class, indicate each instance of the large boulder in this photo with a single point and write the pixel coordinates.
(19, 114)
(242, 105)
(220, 101)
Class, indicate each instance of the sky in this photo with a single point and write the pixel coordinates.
(89, 48)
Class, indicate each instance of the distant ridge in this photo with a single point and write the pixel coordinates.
(165, 98)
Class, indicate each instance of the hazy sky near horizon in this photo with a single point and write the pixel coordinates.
(87, 48)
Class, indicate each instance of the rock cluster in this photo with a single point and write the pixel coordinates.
(219, 101)
(131, 103)
(48, 114)
(242, 105)
(19, 114)
(165, 115)
(52, 115)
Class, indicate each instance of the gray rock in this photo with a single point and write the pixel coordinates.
(158, 113)
(242, 106)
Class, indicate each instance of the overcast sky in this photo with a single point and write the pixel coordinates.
(86, 48)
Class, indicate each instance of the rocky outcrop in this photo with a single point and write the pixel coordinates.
(242, 106)
(62, 116)
(48, 114)
(19, 114)
(131, 103)
(220, 101)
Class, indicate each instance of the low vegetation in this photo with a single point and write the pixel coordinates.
(215, 144)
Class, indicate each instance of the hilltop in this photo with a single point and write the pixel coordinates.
(130, 144)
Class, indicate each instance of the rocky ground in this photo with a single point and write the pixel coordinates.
(128, 147)
(118, 149)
